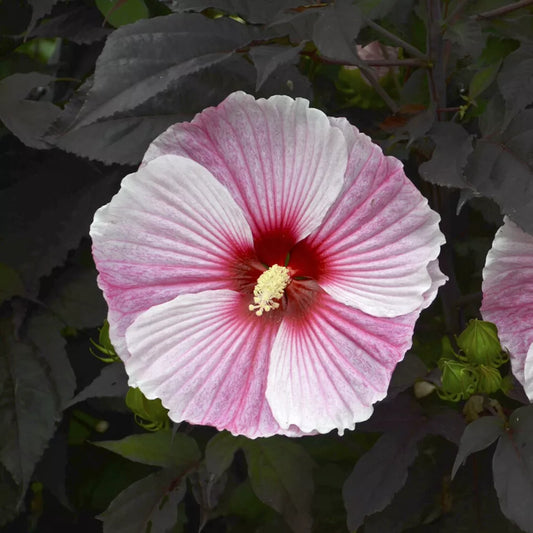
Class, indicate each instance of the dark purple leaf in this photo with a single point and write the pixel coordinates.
(512, 467)
(501, 168)
(112, 382)
(125, 138)
(46, 224)
(27, 119)
(453, 145)
(29, 406)
(43, 330)
(516, 81)
(143, 60)
(269, 58)
(336, 30)
(76, 298)
(250, 10)
(406, 373)
(281, 476)
(478, 435)
(380, 474)
(150, 504)
(80, 24)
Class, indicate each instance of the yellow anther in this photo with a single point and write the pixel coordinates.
(270, 286)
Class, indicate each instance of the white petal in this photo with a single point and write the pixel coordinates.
(379, 238)
(508, 296)
(283, 162)
(171, 229)
(206, 357)
(330, 364)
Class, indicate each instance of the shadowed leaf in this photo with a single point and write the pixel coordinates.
(28, 408)
(501, 168)
(280, 472)
(148, 505)
(512, 467)
(112, 382)
(162, 448)
(478, 435)
(453, 145)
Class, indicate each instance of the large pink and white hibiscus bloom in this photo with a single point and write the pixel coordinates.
(508, 297)
(264, 269)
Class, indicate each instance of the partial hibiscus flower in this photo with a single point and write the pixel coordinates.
(264, 269)
(508, 297)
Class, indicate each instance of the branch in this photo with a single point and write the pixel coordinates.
(399, 41)
(509, 8)
(396, 63)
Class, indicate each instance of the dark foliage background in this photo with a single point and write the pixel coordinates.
(85, 86)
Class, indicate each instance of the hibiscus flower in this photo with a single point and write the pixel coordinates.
(508, 297)
(264, 269)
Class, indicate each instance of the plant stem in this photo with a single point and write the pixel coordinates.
(398, 40)
(498, 12)
(396, 63)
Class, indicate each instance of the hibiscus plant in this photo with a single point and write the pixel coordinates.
(266, 266)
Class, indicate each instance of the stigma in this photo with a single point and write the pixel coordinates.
(269, 287)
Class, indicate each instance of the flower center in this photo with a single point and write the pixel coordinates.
(269, 287)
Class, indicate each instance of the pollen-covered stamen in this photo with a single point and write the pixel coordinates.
(269, 287)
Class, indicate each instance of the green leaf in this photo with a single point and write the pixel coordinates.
(512, 467)
(280, 472)
(156, 449)
(482, 79)
(28, 407)
(453, 145)
(121, 12)
(148, 505)
(478, 435)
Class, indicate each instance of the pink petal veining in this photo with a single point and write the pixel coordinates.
(330, 364)
(508, 297)
(248, 184)
(378, 236)
(273, 156)
(172, 229)
(206, 357)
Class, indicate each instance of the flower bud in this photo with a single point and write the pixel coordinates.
(149, 414)
(490, 379)
(480, 343)
(459, 380)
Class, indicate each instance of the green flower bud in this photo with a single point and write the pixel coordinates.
(149, 414)
(104, 345)
(489, 379)
(480, 343)
(459, 380)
